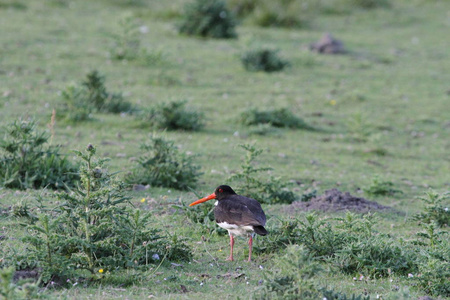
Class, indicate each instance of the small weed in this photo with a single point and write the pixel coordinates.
(358, 128)
(126, 41)
(75, 109)
(332, 295)
(368, 4)
(433, 272)
(273, 191)
(92, 96)
(208, 18)
(28, 162)
(436, 209)
(378, 187)
(263, 130)
(98, 97)
(294, 277)
(266, 60)
(174, 116)
(282, 117)
(162, 164)
(284, 13)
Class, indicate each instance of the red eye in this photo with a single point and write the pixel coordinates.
(220, 190)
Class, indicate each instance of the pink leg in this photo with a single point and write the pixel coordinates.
(250, 246)
(231, 248)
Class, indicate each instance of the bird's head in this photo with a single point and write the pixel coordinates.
(220, 193)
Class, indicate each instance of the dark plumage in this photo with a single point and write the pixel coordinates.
(240, 215)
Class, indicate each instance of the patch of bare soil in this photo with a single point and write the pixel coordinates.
(335, 200)
(26, 274)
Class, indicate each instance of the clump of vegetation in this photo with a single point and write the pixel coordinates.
(127, 43)
(266, 60)
(351, 245)
(208, 18)
(358, 128)
(92, 96)
(281, 117)
(126, 40)
(174, 115)
(95, 230)
(162, 164)
(272, 191)
(28, 162)
(380, 187)
(367, 4)
(436, 209)
(18, 290)
(433, 271)
(284, 13)
(294, 277)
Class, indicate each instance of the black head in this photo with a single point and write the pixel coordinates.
(222, 191)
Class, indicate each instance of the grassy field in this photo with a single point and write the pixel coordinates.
(382, 109)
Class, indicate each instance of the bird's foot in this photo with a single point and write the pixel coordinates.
(230, 258)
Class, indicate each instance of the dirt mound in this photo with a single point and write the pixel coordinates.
(335, 200)
(328, 45)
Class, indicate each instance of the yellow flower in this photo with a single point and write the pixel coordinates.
(100, 271)
(143, 200)
(333, 102)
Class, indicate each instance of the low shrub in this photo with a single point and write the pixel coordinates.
(367, 4)
(284, 13)
(126, 41)
(208, 18)
(28, 162)
(81, 101)
(96, 229)
(174, 116)
(294, 277)
(162, 164)
(98, 97)
(436, 209)
(270, 192)
(379, 187)
(282, 117)
(433, 270)
(266, 60)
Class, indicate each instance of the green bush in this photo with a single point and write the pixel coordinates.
(75, 107)
(294, 277)
(266, 60)
(367, 4)
(126, 42)
(96, 228)
(81, 101)
(379, 187)
(174, 116)
(433, 269)
(98, 97)
(282, 117)
(284, 13)
(272, 191)
(162, 164)
(436, 209)
(208, 18)
(29, 162)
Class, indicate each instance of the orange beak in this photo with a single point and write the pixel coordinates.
(212, 196)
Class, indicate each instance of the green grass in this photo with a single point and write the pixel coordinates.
(395, 77)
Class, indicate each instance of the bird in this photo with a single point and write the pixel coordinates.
(240, 215)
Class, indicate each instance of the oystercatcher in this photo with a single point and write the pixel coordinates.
(240, 215)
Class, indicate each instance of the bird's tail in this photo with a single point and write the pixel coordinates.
(260, 230)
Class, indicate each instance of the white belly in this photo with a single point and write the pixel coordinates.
(236, 230)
